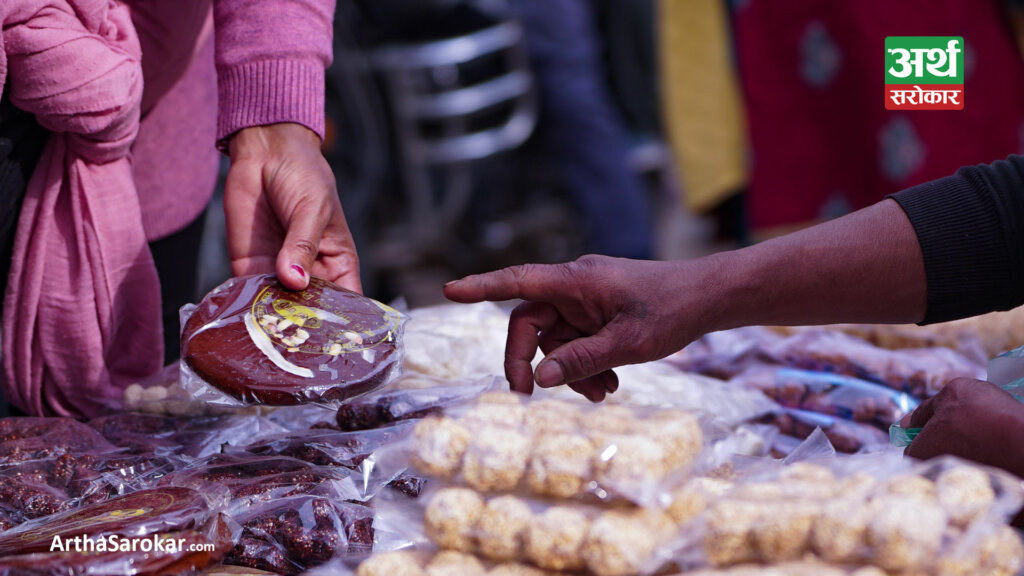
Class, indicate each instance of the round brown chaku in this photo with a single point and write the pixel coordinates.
(348, 342)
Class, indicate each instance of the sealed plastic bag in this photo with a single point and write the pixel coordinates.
(24, 439)
(367, 453)
(833, 394)
(394, 405)
(291, 534)
(557, 448)
(847, 436)
(922, 372)
(141, 433)
(250, 341)
(239, 481)
(553, 536)
(141, 513)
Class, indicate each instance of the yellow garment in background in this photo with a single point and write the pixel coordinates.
(703, 106)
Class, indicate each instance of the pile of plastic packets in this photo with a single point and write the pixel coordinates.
(756, 451)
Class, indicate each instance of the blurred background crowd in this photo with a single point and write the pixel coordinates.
(466, 135)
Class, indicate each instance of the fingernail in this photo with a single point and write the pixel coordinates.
(611, 387)
(549, 374)
(453, 282)
(595, 396)
(299, 269)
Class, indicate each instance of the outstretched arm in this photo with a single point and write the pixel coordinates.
(596, 313)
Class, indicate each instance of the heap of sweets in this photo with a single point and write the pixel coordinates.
(293, 515)
(920, 372)
(566, 536)
(254, 342)
(940, 517)
(554, 448)
(292, 534)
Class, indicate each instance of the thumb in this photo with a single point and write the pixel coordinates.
(581, 358)
(301, 245)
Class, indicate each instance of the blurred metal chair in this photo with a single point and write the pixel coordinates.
(452, 100)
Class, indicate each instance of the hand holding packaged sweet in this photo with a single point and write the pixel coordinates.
(250, 341)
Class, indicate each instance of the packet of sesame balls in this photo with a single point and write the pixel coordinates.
(549, 534)
(871, 510)
(505, 442)
(251, 341)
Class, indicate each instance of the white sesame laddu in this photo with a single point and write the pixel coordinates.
(554, 540)
(452, 563)
(438, 446)
(965, 493)
(501, 528)
(451, 517)
(496, 459)
(402, 562)
(552, 416)
(630, 462)
(623, 542)
(561, 465)
(905, 533)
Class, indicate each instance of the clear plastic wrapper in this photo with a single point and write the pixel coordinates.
(832, 394)
(292, 534)
(167, 435)
(727, 353)
(369, 454)
(661, 385)
(197, 437)
(454, 341)
(847, 436)
(250, 341)
(866, 510)
(163, 393)
(388, 406)
(152, 511)
(152, 555)
(551, 535)
(921, 372)
(240, 481)
(23, 439)
(502, 442)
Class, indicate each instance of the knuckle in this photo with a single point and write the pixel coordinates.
(305, 248)
(583, 362)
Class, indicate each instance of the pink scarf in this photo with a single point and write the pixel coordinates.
(81, 316)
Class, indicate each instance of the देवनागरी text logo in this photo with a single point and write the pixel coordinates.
(924, 73)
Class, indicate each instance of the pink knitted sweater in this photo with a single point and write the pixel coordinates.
(127, 91)
(267, 67)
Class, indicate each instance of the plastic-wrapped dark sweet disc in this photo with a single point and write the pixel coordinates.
(141, 513)
(259, 343)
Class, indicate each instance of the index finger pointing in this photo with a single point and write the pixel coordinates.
(528, 281)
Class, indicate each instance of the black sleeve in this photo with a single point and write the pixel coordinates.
(971, 230)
